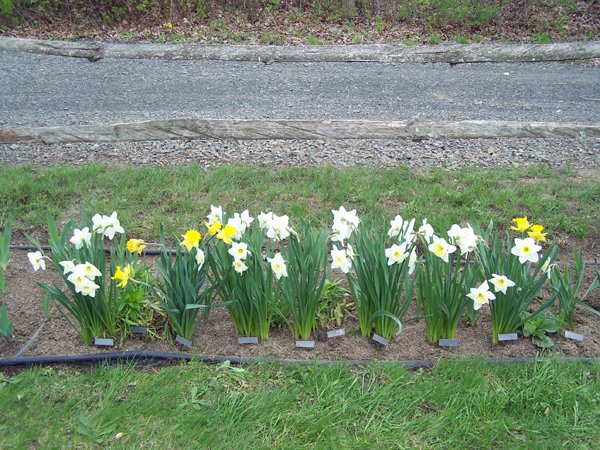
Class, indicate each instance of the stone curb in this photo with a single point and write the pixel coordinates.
(387, 53)
(222, 129)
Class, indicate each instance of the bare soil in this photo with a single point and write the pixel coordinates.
(217, 336)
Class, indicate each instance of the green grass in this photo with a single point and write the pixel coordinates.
(561, 199)
(460, 404)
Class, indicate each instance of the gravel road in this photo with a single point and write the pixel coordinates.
(583, 153)
(50, 90)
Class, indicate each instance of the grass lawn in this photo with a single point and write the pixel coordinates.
(563, 200)
(458, 404)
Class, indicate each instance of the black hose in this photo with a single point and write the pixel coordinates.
(146, 357)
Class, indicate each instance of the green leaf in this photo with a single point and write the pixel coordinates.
(543, 341)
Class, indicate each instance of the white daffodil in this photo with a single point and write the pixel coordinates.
(68, 266)
(340, 232)
(481, 295)
(547, 268)
(87, 288)
(200, 258)
(98, 223)
(465, 238)
(81, 237)
(240, 227)
(246, 218)
(426, 230)
(501, 283)
(340, 260)
(37, 261)
(412, 261)
(396, 226)
(264, 220)
(239, 250)
(526, 249)
(216, 214)
(239, 266)
(408, 232)
(396, 254)
(278, 266)
(112, 226)
(440, 248)
(278, 228)
(348, 217)
(350, 252)
(88, 270)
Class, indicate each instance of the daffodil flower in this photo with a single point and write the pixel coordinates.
(481, 295)
(240, 227)
(501, 283)
(340, 232)
(278, 266)
(246, 218)
(200, 258)
(350, 252)
(412, 261)
(264, 220)
(82, 284)
(465, 238)
(522, 224)
(426, 230)
(88, 270)
(191, 239)
(135, 246)
(396, 226)
(396, 254)
(278, 228)
(213, 228)
(112, 226)
(340, 260)
(216, 215)
(239, 266)
(440, 248)
(122, 275)
(239, 250)
(37, 261)
(348, 217)
(81, 237)
(526, 249)
(68, 266)
(536, 233)
(226, 234)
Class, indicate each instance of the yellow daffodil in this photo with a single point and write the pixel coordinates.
(136, 245)
(536, 233)
(522, 224)
(122, 275)
(213, 228)
(226, 234)
(191, 239)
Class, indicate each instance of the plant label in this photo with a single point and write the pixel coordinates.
(247, 340)
(183, 341)
(508, 337)
(448, 343)
(336, 333)
(139, 330)
(101, 342)
(380, 339)
(574, 336)
(305, 344)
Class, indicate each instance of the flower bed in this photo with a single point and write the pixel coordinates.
(409, 289)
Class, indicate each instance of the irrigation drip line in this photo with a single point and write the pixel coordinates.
(155, 252)
(148, 357)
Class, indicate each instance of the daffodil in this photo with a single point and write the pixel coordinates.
(536, 233)
(440, 248)
(98, 223)
(82, 284)
(396, 254)
(136, 246)
(350, 252)
(340, 232)
(246, 219)
(239, 250)
(279, 227)
(278, 266)
(396, 226)
(88, 270)
(37, 261)
(68, 266)
(522, 224)
(122, 275)
(239, 266)
(81, 237)
(348, 217)
(412, 261)
(264, 220)
(213, 228)
(501, 283)
(481, 295)
(340, 260)
(226, 234)
(240, 227)
(200, 258)
(526, 249)
(426, 230)
(465, 238)
(191, 239)
(216, 215)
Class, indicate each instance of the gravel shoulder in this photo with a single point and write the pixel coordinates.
(578, 153)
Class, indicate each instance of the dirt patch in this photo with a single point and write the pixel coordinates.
(216, 335)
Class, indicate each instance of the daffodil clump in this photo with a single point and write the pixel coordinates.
(516, 266)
